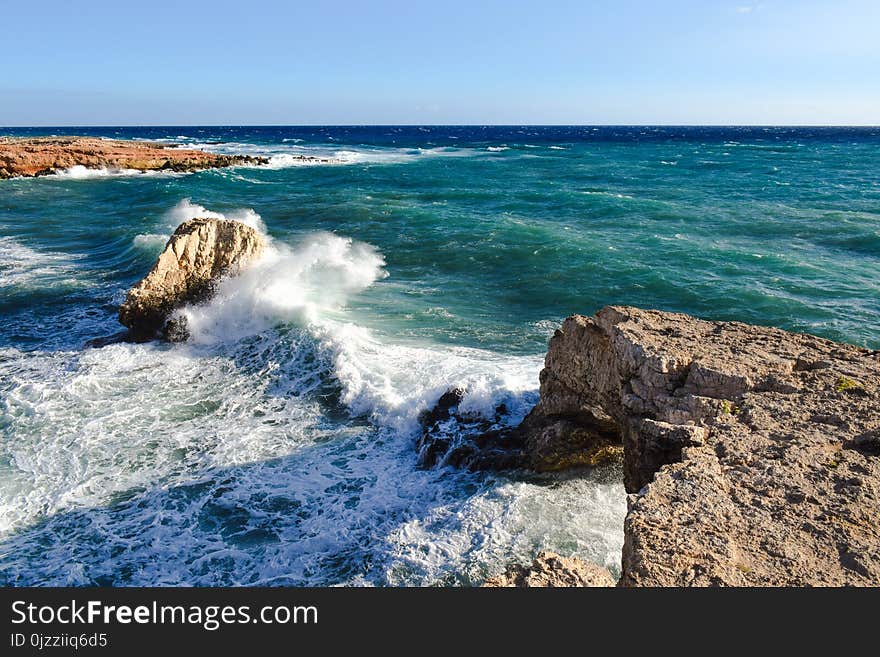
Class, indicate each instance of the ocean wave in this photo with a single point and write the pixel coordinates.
(596, 192)
(219, 459)
(293, 284)
(80, 172)
(184, 466)
(185, 210)
(315, 155)
(308, 285)
(296, 154)
(22, 266)
(149, 241)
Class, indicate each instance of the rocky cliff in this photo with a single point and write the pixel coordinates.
(751, 455)
(198, 254)
(40, 156)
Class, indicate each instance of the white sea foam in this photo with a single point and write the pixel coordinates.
(308, 285)
(80, 172)
(295, 154)
(497, 149)
(215, 466)
(235, 476)
(609, 194)
(186, 210)
(288, 285)
(317, 155)
(150, 241)
(21, 265)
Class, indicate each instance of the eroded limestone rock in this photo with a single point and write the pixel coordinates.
(198, 254)
(751, 453)
(551, 570)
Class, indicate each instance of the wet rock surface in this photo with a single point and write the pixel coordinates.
(453, 438)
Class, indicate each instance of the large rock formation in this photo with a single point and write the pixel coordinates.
(752, 455)
(40, 156)
(551, 570)
(198, 254)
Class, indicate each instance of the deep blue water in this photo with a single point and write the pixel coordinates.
(276, 446)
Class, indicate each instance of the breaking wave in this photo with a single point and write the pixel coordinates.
(276, 446)
(22, 266)
(186, 210)
(80, 172)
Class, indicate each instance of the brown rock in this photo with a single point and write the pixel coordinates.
(551, 570)
(751, 453)
(198, 254)
(40, 156)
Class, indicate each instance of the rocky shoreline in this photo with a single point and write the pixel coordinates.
(751, 454)
(42, 156)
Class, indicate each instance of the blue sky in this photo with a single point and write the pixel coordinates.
(342, 62)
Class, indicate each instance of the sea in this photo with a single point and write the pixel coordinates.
(277, 446)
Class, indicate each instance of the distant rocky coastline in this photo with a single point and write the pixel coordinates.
(42, 156)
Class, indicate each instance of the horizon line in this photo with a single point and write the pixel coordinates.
(448, 125)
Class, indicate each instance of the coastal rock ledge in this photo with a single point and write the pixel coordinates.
(751, 454)
(198, 255)
(43, 156)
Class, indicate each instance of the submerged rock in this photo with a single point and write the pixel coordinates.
(551, 570)
(452, 438)
(199, 253)
(751, 453)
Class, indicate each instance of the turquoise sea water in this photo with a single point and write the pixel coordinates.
(276, 446)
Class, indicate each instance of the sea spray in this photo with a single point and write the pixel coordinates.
(295, 284)
(307, 286)
(185, 210)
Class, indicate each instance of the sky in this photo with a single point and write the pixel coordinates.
(337, 62)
